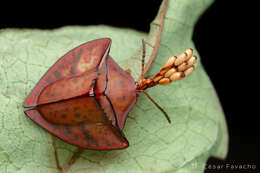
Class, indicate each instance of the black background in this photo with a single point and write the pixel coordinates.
(221, 33)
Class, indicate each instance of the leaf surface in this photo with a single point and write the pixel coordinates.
(198, 129)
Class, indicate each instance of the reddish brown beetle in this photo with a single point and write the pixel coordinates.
(84, 98)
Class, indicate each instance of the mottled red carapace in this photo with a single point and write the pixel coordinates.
(84, 98)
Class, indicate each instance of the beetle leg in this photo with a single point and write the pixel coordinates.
(157, 105)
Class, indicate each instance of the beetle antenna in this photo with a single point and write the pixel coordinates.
(156, 104)
(143, 59)
(175, 68)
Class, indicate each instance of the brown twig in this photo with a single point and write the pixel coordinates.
(162, 16)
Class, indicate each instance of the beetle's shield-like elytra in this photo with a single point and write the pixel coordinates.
(121, 91)
(70, 100)
(71, 75)
(79, 121)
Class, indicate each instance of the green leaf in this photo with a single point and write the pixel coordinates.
(198, 130)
